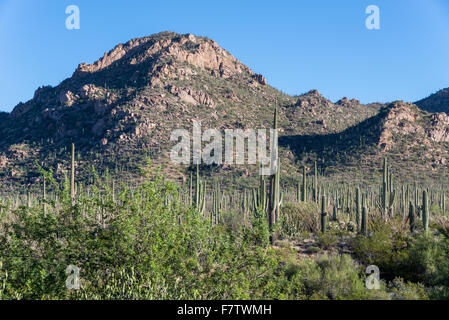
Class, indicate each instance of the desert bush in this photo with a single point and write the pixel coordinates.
(419, 259)
(386, 247)
(441, 223)
(142, 247)
(327, 240)
(429, 255)
(401, 290)
(300, 218)
(334, 277)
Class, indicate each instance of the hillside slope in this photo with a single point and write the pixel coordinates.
(437, 102)
(415, 142)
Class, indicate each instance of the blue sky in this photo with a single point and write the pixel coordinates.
(298, 45)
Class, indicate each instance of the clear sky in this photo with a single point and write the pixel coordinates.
(298, 45)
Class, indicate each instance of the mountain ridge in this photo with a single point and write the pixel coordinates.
(436, 102)
(122, 107)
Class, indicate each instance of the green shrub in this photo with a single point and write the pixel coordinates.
(327, 240)
(385, 248)
(401, 290)
(300, 218)
(429, 254)
(334, 277)
(146, 248)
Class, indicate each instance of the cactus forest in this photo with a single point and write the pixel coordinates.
(202, 239)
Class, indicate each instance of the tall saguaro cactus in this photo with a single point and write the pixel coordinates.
(363, 222)
(358, 203)
(216, 206)
(443, 203)
(388, 194)
(72, 176)
(315, 183)
(200, 192)
(298, 191)
(425, 210)
(191, 189)
(260, 199)
(197, 188)
(45, 195)
(323, 213)
(411, 216)
(417, 200)
(275, 196)
(334, 213)
(304, 185)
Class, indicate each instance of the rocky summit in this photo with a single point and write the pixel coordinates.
(122, 108)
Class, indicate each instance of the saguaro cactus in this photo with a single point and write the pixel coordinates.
(202, 203)
(216, 205)
(197, 188)
(388, 194)
(273, 183)
(72, 176)
(411, 216)
(358, 207)
(403, 201)
(200, 192)
(323, 213)
(191, 189)
(417, 200)
(334, 213)
(260, 199)
(304, 185)
(275, 196)
(363, 222)
(443, 203)
(45, 195)
(315, 183)
(298, 191)
(425, 210)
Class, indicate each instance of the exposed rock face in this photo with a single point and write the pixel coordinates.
(199, 52)
(261, 79)
(405, 127)
(67, 98)
(345, 102)
(115, 54)
(400, 119)
(439, 131)
(188, 95)
(311, 99)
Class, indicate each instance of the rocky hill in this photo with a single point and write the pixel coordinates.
(122, 108)
(437, 102)
(416, 143)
